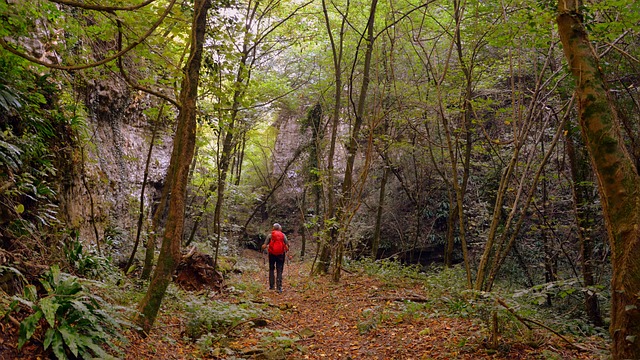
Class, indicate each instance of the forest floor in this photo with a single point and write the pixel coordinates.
(361, 317)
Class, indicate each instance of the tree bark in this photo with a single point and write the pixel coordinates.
(198, 218)
(619, 183)
(183, 149)
(375, 242)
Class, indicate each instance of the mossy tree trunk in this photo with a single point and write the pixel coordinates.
(618, 180)
(183, 149)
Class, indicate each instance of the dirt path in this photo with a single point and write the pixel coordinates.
(364, 318)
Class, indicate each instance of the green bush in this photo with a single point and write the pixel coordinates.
(75, 323)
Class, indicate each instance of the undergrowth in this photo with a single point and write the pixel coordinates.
(217, 317)
(449, 296)
(69, 318)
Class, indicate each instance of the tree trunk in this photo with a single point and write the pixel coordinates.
(198, 218)
(324, 256)
(181, 156)
(375, 242)
(303, 228)
(240, 85)
(352, 144)
(451, 227)
(582, 190)
(619, 183)
(240, 158)
(144, 184)
(155, 225)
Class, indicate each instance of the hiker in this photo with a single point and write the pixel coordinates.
(278, 245)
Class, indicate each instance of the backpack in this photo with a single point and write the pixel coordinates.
(276, 244)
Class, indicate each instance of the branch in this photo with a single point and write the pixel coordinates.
(100, 7)
(524, 321)
(34, 60)
(277, 25)
(132, 83)
(277, 184)
(255, 321)
(392, 24)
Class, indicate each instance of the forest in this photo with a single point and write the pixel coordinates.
(455, 179)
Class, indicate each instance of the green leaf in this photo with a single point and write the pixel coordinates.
(8, 98)
(49, 307)
(47, 286)
(97, 350)
(30, 293)
(69, 286)
(57, 345)
(20, 208)
(28, 327)
(55, 274)
(70, 337)
(48, 338)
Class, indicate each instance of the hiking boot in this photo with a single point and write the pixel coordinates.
(279, 290)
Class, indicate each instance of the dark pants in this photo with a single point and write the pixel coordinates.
(276, 262)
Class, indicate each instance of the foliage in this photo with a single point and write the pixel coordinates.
(369, 320)
(86, 263)
(277, 339)
(34, 133)
(207, 316)
(389, 270)
(75, 322)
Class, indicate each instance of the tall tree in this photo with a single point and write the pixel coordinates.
(183, 149)
(347, 190)
(618, 180)
(337, 52)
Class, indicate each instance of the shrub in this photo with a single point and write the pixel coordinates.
(86, 263)
(74, 320)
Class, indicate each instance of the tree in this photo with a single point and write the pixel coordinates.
(337, 52)
(619, 183)
(183, 149)
(260, 21)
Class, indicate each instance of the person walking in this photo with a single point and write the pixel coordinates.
(277, 245)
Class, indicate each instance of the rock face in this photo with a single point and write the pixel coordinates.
(105, 187)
